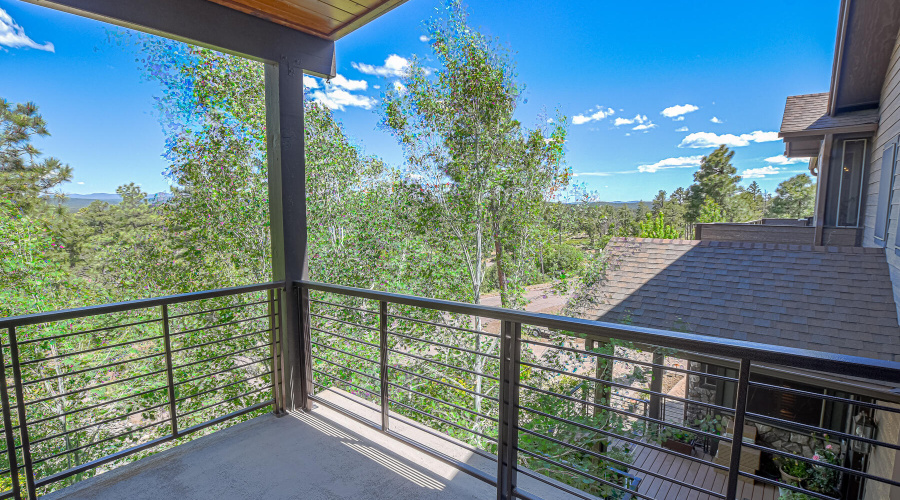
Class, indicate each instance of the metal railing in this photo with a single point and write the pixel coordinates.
(95, 386)
(371, 351)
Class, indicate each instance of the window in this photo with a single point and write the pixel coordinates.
(850, 183)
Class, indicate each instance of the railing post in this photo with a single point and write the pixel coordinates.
(306, 377)
(7, 427)
(277, 405)
(385, 395)
(507, 435)
(170, 375)
(657, 405)
(737, 437)
(20, 407)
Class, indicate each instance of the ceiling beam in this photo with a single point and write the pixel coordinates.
(210, 25)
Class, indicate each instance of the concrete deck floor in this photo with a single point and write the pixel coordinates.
(318, 455)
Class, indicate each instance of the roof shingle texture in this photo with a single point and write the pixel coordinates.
(809, 112)
(834, 299)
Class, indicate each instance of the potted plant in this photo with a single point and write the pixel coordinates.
(677, 440)
(793, 471)
(824, 479)
(711, 424)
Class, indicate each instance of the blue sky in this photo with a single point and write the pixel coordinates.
(648, 87)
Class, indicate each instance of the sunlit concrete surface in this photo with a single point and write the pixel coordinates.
(318, 455)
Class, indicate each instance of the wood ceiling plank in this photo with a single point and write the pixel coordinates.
(292, 17)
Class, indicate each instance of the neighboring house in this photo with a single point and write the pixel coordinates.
(831, 283)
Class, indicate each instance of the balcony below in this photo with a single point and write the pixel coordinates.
(322, 454)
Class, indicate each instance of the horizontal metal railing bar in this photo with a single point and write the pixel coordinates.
(219, 388)
(827, 397)
(59, 476)
(463, 349)
(95, 443)
(360, 309)
(49, 317)
(244, 395)
(375, 392)
(811, 428)
(462, 466)
(611, 484)
(427, 360)
(220, 325)
(367, 375)
(875, 369)
(820, 463)
(219, 341)
(628, 387)
(623, 412)
(546, 480)
(485, 396)
(620, 462)
(7, 494)
(185, 315)
(439, 419)
(207, 360)
(94, 368)
(442, 325)
(629, 360)
(350, 323)
(351, 339)
(90, 388)
(95, 424)
(207, 375)
(97, 405)
(95, 349)
(624, 438)
(441, 401)
(85, 332)
(323, 346)
(788, 486)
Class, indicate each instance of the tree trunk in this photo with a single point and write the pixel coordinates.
(498, 258)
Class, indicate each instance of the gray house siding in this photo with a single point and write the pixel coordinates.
(888, 132)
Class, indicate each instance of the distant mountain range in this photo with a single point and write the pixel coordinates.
(75, 202)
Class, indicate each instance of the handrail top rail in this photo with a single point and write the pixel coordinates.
(81, 312)
(832, 363)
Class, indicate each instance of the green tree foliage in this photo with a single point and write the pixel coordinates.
(711, 211)
(656, 227)
(794, 198)
(715, 180)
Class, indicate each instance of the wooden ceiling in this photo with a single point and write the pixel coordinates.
(329, 19)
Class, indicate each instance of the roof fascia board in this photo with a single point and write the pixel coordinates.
(366, 17)
(820, 133)
(838, 54)
(214, 26)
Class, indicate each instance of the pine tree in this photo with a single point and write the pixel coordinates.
(715, 180)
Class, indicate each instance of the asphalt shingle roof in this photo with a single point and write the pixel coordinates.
(835, 299)
(809, 113)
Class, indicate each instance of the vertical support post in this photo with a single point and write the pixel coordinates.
(273, 339)
(385, 394)
(169, 370)
(305, 367)
(822, 188)
(656, 379)
(7, 427)
(508, 433)
(20, 407)
(286, 158)
(737, 438)
(602, 392)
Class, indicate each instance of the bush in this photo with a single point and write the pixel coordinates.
(561, 259)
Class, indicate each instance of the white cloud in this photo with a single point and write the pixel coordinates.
(80, 183)
(549, 120)
(592, 174)
(350, 85)
(394, 67)
(644, 126)
(712, 140)
(12, 35)
(334, 97)
(399, 87)
(679, 110)
(629, 121)
(310, 82)
(716, 120)
(679, 119)
(759, 173)
(597, 114)
(682, 129)
(784, 160)
(424, 38)
(678, 162)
